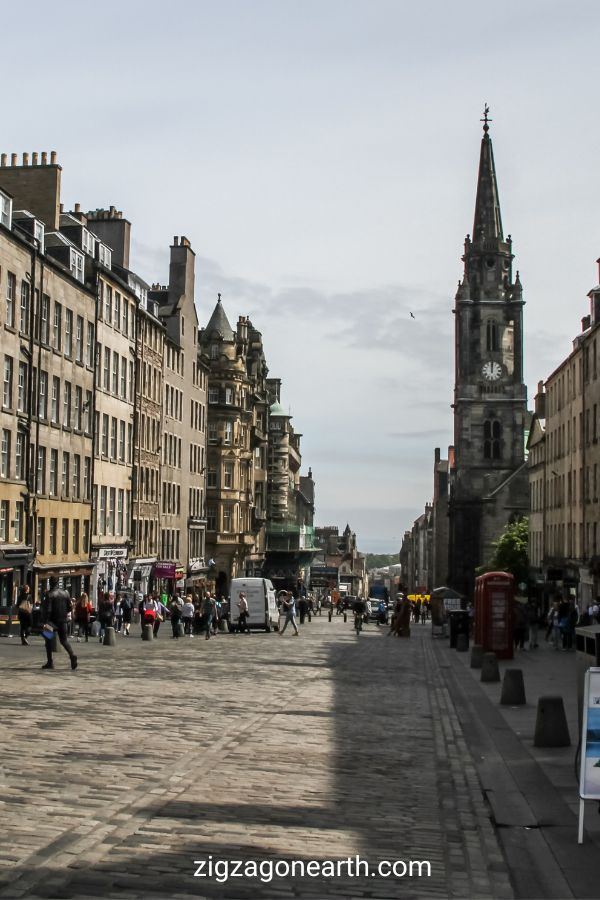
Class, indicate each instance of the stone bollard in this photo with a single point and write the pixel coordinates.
(109, 637)
(147, 633)
(476, 656)
(551, 729)
(462, 643)
(180, 630)
(345, 617)
(489, 668)
(330, 614)
(513, 688)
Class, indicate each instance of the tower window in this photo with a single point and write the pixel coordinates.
(492, 436)
(492, 335)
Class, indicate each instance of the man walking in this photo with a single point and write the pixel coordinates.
(288, 605)
(243, 614)
(55, 608)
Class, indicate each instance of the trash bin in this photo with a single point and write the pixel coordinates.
(459, 624)
(587, 644)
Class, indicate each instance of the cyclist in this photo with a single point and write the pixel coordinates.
(358, 608)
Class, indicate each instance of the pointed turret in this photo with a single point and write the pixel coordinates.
(218, 324)
(487, 224)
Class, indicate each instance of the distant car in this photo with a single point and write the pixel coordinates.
(375, 615)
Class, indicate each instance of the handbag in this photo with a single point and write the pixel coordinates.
(25, 606)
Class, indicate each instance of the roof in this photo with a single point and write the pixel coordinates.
(219, 324)
(278, 410)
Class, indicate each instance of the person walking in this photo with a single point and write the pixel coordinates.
(24, 612)
(208, 614)
(533, 619)
(175, 609)
(83, 608)
(55, 607)
(243, 613)
(127, 611)
(187, 615)
(106, 615)
(288, 606)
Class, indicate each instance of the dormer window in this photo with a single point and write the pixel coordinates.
(76, 264)
(104, 255)
(88, 244)
(38, 233)
(5, 210)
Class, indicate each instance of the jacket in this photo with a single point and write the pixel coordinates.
(56, 606)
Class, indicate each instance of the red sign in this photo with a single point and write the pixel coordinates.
(164, 570)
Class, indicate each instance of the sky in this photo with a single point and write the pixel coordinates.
(322, 159)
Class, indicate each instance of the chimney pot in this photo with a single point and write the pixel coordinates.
(62, 207)
(34, 159)
(26, 159)
(176, 241)
(13, 159)
(44, 158)
(78, 207)
(3, 159)
(53, 157)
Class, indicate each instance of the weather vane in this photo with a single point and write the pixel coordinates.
(486, 118)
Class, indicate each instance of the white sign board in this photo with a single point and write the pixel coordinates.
(589, 775)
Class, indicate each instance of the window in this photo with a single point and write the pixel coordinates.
(106, 380)
(87, 473)
(52, 536)
(22, 388)
(45, 317)
(122, 441)
(211, 518)
(110, 524)
(57, 327)
(211, 477)
(228, 436)
(212, 433)
(102, 524)
(214, 351)
(5, 210)
(64, 482)
(19, 520)
(88, 243)
(492, 434)
(90, 345)
(76, 476)
(107, 303)
(87, 408)
(20, 456)
(5, 454)
(77, 418)
(123, 378)
(125, 328)
(228, 475)
(67, 405)
(24, 319)
(76, 265)
(129, 442)
(213, 395)
(86, 536)
(40, 536)
(8, 383)
(75, 536)
(113, 438)
(68, 332)
(104, 448)
(120, 503)
(65, 536)
(226, 518)
(117, 311)
(131, 382)
(4, 514)
(11, 290)
(104, 256)
(115, 373)
(79, 340)
(43, 395)
(228, 396)
(53, 483)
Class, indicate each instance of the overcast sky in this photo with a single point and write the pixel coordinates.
(322, 159)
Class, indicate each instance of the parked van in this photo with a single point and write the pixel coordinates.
(262, 605)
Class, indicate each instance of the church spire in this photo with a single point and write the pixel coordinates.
(487, 225)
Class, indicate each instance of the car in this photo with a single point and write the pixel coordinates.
(375, 615)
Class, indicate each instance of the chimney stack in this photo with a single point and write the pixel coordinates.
(44, 158)
(34, 159)
(13, 159)
(3, 158)
(53, 157)
(26, 159)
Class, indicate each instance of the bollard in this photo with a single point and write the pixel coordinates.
(180, 630)
(489, 668)
(109, 637)
(345, 617)
(147, 633)
(551, 729)
(462, 643)
(476, 656)
(513, 688)
(330, 614)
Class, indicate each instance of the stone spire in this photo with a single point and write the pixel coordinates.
(218, 324)
(487, 225)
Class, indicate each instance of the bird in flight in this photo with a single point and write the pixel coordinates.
(412, 315)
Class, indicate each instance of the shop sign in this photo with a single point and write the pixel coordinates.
(112, 553)
(164, 570)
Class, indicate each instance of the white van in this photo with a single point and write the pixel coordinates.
(262, 605)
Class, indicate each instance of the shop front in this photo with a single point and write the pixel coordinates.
(197, 576)
(15, 561)
(110, 571)
(75, 578)
(140, 578)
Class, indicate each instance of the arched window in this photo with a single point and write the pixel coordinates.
(491, 335)
(492, 437)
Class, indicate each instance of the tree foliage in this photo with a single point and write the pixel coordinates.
(379, 560)
(511, 551)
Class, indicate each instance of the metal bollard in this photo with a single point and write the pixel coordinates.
(513, 688)
(551, 729)
(489, 668)
(147, 633)
(476, 656)
(109, 637)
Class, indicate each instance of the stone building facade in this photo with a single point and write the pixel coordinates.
(489, 486)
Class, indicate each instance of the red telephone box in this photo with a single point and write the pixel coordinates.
(494, 601)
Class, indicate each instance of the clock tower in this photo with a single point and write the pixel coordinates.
(489, 479)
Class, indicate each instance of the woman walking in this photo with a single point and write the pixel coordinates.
(24, 611)
(83, 608)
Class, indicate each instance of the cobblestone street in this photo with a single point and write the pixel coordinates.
(117, 777)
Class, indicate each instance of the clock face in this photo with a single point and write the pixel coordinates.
(491, 371)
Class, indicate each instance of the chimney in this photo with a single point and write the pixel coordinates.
(77, 208)
(242, 329)
(438, 454)
(44, 158)
(3, 160)
(53, 157)
(176, 241)
(585, 323)
(35, 188)
(114, 231)
(34, 159)
(182, 272)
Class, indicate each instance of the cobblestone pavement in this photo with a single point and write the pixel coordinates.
(116, 777)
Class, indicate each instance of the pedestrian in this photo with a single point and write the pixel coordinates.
(106, 615)
(533, 620)
(149, 612)
(568, 626)
(175, 609)
(302, 608)
(83, 608)
(288, 606)
(127, 611)
(118, 615)
(55, 607)
(243, 613)
(554, 624)
(24, 612)
(187, 615)
(519, 626)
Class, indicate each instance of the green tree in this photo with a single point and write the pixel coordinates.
(510, 553)
(379, 560)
